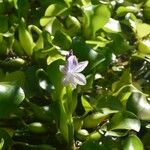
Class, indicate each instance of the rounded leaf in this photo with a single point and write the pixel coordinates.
(133, 142)
(55, 10)
(144, 46)
(124, 121)
(10, 97)
(138, 104)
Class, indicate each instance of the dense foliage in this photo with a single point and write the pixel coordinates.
(112, 111)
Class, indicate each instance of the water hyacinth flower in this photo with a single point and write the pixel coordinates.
(71, 71)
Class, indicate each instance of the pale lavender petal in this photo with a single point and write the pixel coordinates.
(80, 66)
(79, 78)
(68, 79)
(71, 62)
(63, 69)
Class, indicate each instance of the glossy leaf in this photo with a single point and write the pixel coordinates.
(94, 119)
(132, 142)
(124, 121)
(112, 26)
(10, 97)
(95, 18)
(138, 104)
(88, 145)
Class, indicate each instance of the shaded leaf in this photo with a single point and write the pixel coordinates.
(5, 140)
(10, 97)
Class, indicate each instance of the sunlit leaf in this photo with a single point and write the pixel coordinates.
(138, 104)
(132, 142)
(55, 10)
(95, 18)
(124, 121)
(112, 26)
(1, 143)
(143, 29)
(122, 10)
(144, 46)
(86, 104)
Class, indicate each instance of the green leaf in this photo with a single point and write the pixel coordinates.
(86, 104)
(138, 104)
(116, 133)
(144, 46)
(124, 121)
(1, 143)
(10, 97)
(95, 18)
(44, 82)
(23, 8)
(4, 23)
(119, 44)
(5, 140)
(112, 26)
(84, 52)
(147, 4)
(122, 10)
(45, 20)
(132, 142)
(62, 40)
(53, 56)
(55, 10)
(52, 26)
(90, 144)
(142, 29)
(94, 119)
(135, 1)
(124, 81)
(73, 25)
(82, 134)
(63, 125)
(145, 139)
(11, 77)
(109, 104)
(55, 75)
(31, 84)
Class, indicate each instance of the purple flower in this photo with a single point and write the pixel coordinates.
(72, 71)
